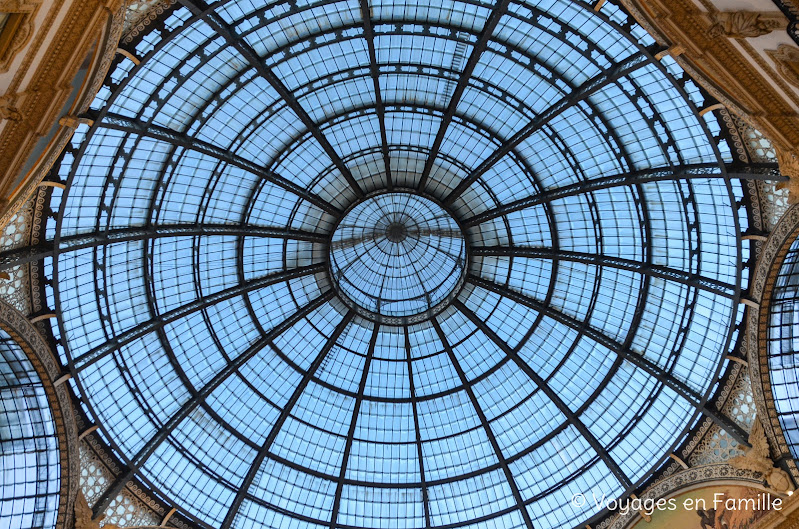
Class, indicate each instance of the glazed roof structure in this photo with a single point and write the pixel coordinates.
(393, 264)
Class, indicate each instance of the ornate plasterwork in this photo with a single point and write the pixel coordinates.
(95, 477)
(757, 459)
(14, 283)
(133, 507)
(140, 14)
(786, 59)
(721, 474)
(20, 329)
(83, 516)
(723, 70)
(740, 406)
(28, 9)
(128, 511)
(716, 445)
(38, 105)
(745, 24)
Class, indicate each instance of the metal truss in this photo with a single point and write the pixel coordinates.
(180, 139)
(463, 81)
(71, 243)
(416, 428)
(484, 423)
(370, 352)
(134, 333)
(679, 387)
(198, 8)
(199, 396)
(374, 72)
(284, 414)
(686, 172)
(663, 272)
(585, 90)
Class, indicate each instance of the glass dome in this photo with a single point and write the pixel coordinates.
(783, 347)
(392, 264)
(397, 257)
(29, 451)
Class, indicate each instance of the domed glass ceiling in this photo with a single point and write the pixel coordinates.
(434, 266)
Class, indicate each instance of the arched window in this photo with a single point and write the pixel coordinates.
(29, 457)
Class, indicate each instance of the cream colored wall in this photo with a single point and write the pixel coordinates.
(51, 77)
(755, 49)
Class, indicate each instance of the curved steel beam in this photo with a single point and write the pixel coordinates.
(636, 359)
(198, 8)
(573, 419)
(71, 243)
(284, 414)
(486, 426)
(370, 352)
(479, 47)
(199, 396)
(663, 272)
(374, 71)
(417, 429)
(181, 139)
(660, 174)
(589, 87)
(134, 333)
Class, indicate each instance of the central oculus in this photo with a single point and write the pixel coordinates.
(397, 257)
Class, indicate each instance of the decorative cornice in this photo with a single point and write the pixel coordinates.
(716, 64)
(37, 108)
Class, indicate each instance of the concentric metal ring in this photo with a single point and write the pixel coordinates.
(397, 257)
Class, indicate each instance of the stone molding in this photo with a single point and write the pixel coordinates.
(745, 24)
(756, 344)
(28, 10)
(786, 58)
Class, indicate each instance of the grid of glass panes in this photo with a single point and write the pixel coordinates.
(783, 348)
(417, 432)
(29, 456)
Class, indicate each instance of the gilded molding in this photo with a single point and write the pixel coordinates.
(786, 58)
(722, 69)
(38, 107)
(28, 9)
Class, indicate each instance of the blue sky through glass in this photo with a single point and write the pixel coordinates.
(230, 376)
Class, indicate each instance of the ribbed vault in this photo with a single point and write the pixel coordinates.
(388, 264)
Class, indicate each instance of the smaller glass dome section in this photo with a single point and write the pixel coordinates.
(397, 256)
(29, 456)
(783, 350)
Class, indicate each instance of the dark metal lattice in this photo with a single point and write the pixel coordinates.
(207, 326)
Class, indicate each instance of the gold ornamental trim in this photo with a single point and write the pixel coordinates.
(31, 113)
(723, 70)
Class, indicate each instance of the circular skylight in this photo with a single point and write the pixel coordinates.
(397, 257)
(443, 265)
